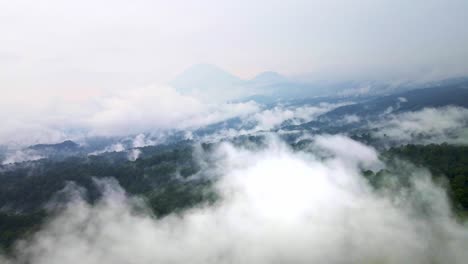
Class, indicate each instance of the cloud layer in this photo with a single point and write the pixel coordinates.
(277, 206)
(121, 113)
(430, 125)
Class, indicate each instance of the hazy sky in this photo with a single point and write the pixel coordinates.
(91, 44)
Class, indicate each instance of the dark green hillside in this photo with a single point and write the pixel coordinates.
(416, 100)
(159, 177)
(442, 160)
(372, 109)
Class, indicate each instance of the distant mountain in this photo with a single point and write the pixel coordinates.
(67, 145)
(207, 81)
(267, 78)
(413, 100)
(374, 108)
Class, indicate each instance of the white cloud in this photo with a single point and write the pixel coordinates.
(349, 151)
(134, 154)
(125, 112)
(137, 110)
(217, 113)
(117, 147)
(272, 118)
(349, 119)
(264, 120)
(429, 125)
(21, 156)
(141, 140)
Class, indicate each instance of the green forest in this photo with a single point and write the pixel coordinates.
(26, 189)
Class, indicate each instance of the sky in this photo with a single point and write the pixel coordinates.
(66, 60)
(108, 44)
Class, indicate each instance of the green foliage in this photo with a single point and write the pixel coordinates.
(14, 226)
(179, 196)
(160, 177)
(442, 160)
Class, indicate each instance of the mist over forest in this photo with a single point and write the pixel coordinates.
(234, 132)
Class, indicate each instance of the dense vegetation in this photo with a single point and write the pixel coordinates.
(27, 187)
(448, 161)
(161, 177)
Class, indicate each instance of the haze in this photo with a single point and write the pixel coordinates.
(84, 46)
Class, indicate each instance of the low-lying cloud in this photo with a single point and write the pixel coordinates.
(140, 110)
(145, 116)
(276, 206)
(267, 119)
(21, 155)
(273, 118)
(122, 113)
(429, 125)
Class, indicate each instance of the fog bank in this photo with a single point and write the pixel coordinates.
(276, 206)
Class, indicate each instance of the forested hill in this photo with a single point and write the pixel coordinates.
(409, 101)
(444, 160)
(159, 178)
